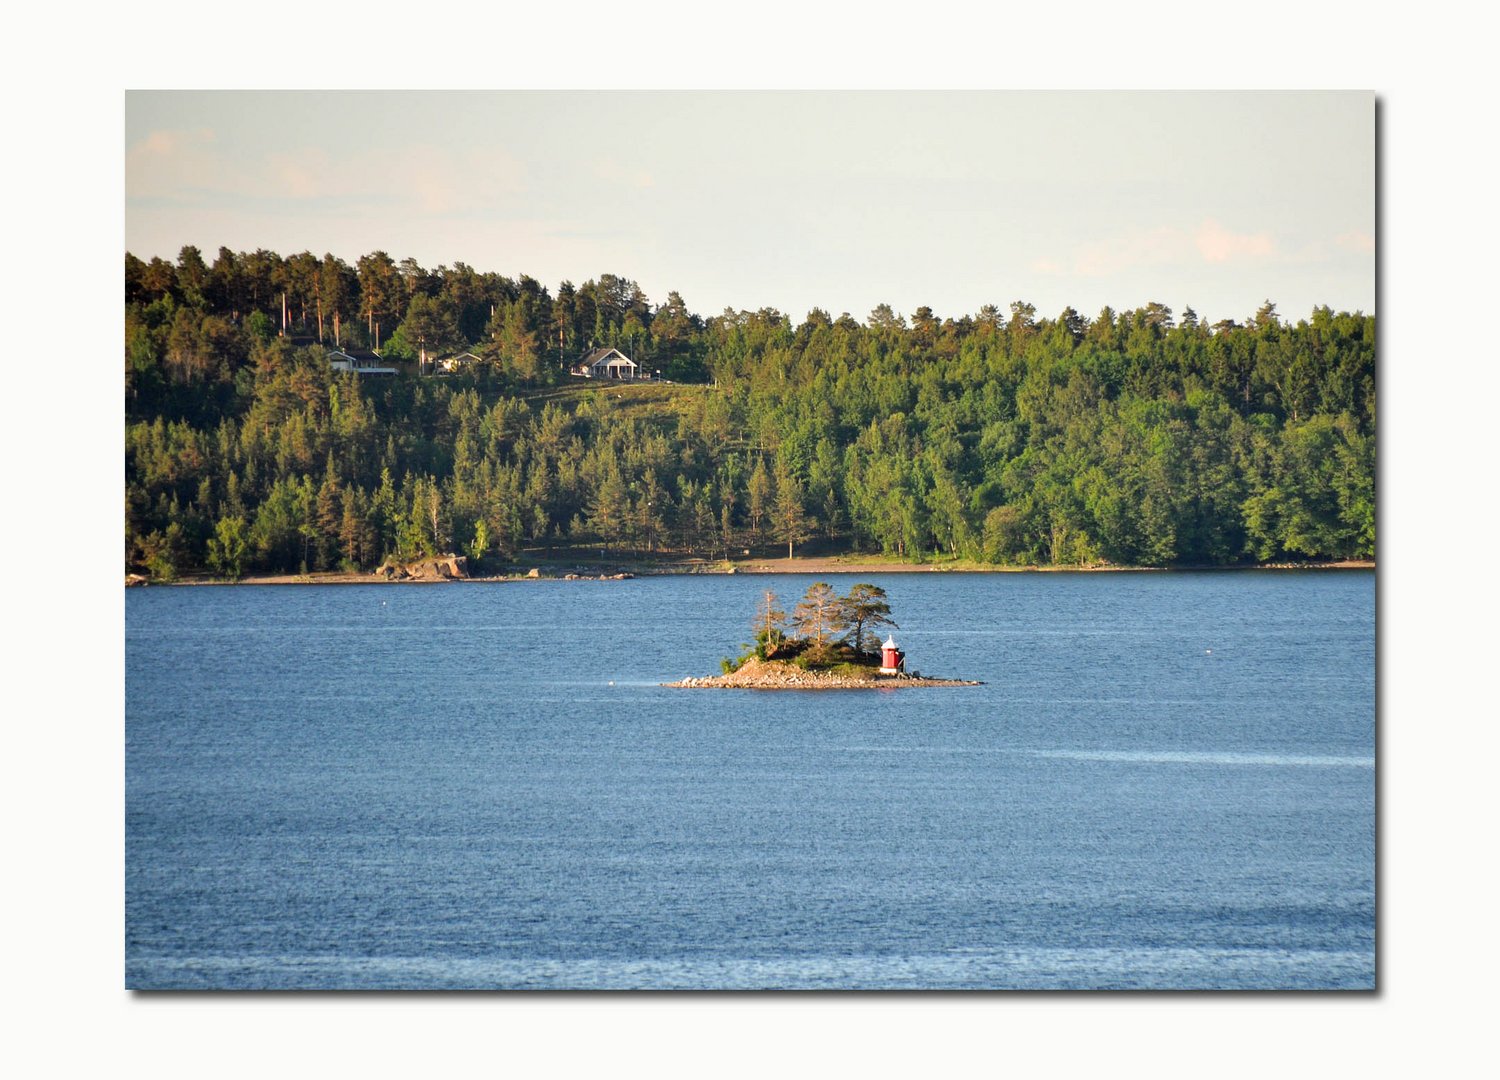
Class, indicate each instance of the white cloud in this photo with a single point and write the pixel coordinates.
(1217, 244)
(1132, 251)
(166, 143)
(614, 172)
(188, 168)
(165, 161)
(306, 175)
(1164, 246)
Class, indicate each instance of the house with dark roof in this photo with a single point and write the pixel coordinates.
(606, 363)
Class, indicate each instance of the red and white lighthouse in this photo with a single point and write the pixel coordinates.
(891, 657)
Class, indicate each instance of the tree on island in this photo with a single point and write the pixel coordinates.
(865, 610)
(770, 625)
(818, 620)
(820, 615)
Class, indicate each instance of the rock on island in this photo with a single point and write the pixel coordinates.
(756, 674)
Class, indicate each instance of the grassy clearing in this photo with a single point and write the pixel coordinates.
(648, 397)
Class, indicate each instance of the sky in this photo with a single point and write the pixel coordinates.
(791, 200)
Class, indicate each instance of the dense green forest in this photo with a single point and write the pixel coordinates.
(1130, 438)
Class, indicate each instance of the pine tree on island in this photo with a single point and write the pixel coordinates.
(818, 617)
(770, 625)
(866, 611)
(827, 629)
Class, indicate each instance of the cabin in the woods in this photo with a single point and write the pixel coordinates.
(452, 365)
(606, 364)
(359, 362)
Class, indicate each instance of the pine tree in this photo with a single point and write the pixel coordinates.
(820, 615)
(791, 520)
(760, 496)
(356, 535)
(865, 609)
(769, 625)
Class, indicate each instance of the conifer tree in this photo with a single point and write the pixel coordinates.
(769, 624)
(820, 615)
(759, 492)
(865, 610)
(791, 520)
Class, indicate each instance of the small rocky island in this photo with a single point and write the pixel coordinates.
(834, 647)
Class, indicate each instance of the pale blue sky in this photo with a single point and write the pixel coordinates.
(790, 200)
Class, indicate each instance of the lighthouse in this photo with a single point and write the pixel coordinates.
(891, 657)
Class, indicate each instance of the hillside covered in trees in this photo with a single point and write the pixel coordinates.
(1130, 438)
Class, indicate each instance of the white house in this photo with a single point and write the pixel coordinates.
(451, 365)
(606, 364)
(339, 360)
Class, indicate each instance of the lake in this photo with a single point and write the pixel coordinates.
(1167, 780)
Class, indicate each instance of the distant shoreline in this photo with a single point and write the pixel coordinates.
(816, 565)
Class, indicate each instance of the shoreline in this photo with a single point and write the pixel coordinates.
(627, 569)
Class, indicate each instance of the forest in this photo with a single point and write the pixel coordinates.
(1131, 438)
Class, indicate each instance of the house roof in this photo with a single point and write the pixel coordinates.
(594, 356)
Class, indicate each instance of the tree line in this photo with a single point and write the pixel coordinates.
(1136, 437)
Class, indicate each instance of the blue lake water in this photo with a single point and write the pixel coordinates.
(1167, 781)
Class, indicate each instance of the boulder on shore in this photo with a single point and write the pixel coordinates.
(439, 568)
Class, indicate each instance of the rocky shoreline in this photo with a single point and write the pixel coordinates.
(778, 675)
